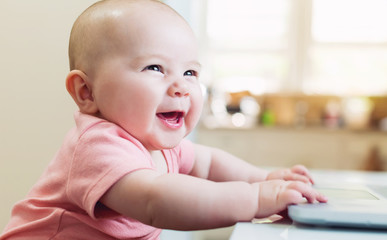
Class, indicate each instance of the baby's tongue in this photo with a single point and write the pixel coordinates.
(169, 116)
(171, 119)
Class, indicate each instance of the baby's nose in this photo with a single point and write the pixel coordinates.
(179, 89)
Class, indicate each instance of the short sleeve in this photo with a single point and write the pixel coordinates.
(103, 155)
(186, 156)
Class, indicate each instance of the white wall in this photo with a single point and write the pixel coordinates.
(36, 110)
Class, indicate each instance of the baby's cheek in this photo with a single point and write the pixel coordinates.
(194, 115)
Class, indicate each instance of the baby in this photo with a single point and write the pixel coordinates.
(125, 171)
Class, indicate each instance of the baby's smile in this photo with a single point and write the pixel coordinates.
(172, 119)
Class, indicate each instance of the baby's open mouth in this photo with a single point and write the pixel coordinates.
(171, 119)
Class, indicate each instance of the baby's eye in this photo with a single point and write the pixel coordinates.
(190, 73)
(156, 68)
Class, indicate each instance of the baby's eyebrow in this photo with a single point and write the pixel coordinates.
(147, 57)
(157, 57)
(195, 64)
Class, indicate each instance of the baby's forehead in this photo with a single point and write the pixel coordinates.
(120, 16)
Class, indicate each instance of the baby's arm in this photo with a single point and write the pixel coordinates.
(217, 165)
(182, 202)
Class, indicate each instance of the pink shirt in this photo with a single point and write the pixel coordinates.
(63, 204)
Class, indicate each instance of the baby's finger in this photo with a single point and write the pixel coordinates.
(302, 170)
(292, 196)
(297, 177)
(308, 192)
(322, 198)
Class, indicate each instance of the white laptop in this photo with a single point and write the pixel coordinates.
(348, 206)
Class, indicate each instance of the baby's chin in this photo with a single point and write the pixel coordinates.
(172, 143)
(166, 142)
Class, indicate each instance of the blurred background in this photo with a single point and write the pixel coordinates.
(286, 82)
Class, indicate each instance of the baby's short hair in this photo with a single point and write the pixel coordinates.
(93, 32)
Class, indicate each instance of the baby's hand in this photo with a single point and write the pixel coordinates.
(276, 195)
(296, 173)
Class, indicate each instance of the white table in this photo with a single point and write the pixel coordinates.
(287, 230)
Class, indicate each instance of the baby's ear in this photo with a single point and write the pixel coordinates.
(77, 85)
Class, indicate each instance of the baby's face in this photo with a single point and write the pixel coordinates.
(150, 86)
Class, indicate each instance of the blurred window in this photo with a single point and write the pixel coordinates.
(247, 44)
(348, 51)
(314, 46)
